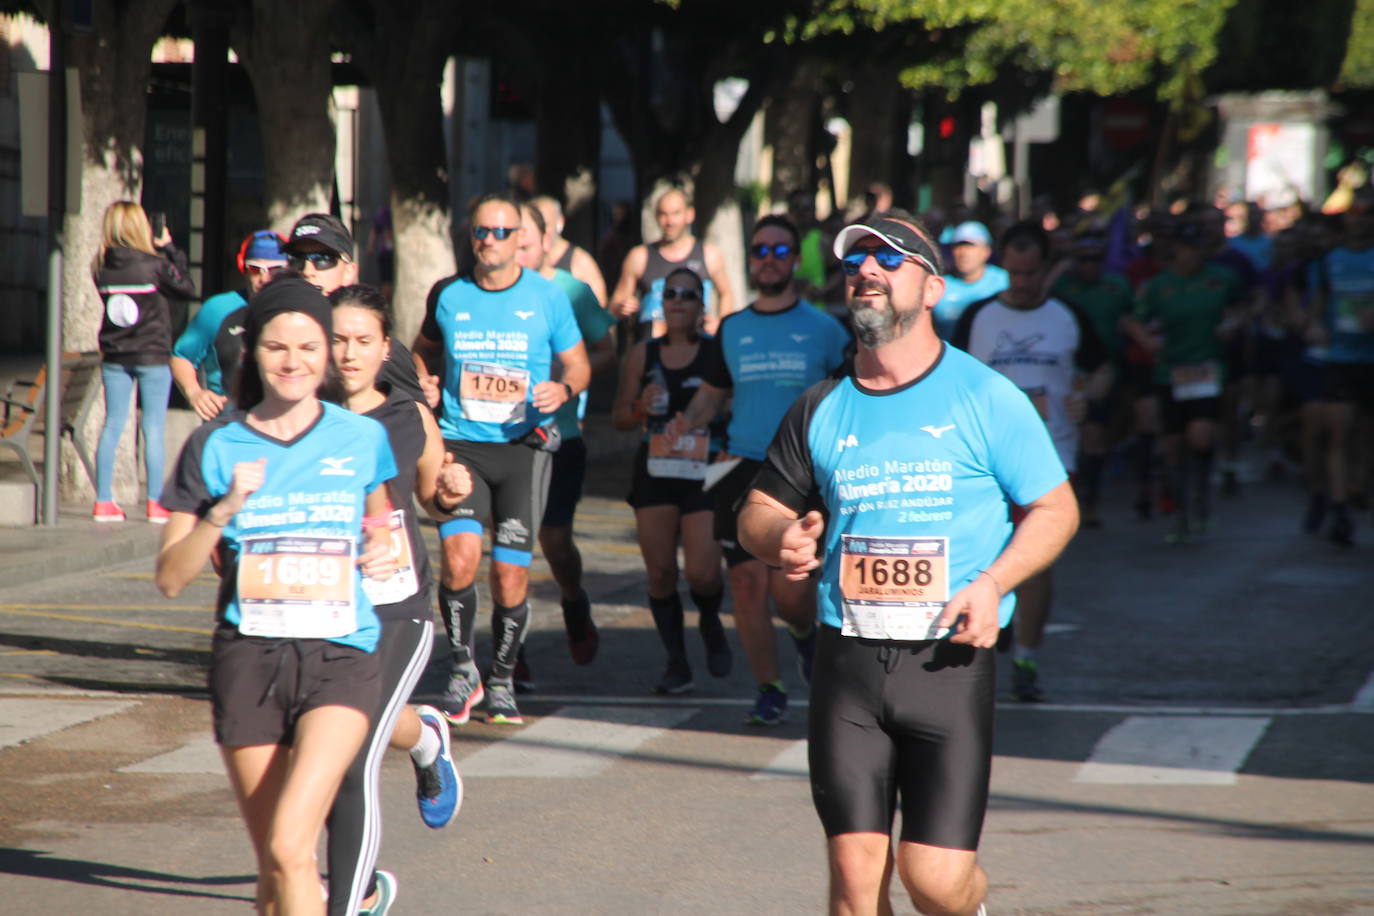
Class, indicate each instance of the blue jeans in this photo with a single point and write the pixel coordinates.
(154, 387)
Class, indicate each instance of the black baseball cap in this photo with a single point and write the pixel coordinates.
(323, 228)
(895, 233)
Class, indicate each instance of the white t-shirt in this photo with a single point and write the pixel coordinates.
(1042, 350)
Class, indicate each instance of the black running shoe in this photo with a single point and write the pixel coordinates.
(677, 679)
(1342, 530)
(718, 657)
(1316, 513)
(1025, 677)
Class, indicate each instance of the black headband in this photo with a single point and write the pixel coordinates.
(286, 294)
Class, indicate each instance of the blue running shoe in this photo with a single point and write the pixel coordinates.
(806, 653)
(438, 787)
(770, 706)
(386, 895)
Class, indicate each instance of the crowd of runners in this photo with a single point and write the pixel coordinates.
(888, 439)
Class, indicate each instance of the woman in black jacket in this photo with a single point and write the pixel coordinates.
(135, 274)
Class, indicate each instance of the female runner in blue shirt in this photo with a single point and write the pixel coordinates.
(288, 492)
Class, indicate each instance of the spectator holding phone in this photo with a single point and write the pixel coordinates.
(135, 272)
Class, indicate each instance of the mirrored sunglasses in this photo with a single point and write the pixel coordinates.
(501, 232)
(779, 251)
(888, 259)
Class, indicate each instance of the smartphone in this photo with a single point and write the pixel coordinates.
(159, 219)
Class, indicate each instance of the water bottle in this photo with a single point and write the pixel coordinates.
(659, 404)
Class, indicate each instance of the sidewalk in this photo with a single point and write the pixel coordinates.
(76, 545)
(31, 553)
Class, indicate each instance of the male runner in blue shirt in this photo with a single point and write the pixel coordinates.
(491, 336)
(891, 486)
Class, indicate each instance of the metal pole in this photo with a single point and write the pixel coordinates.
(1021, 170)
(57, 199)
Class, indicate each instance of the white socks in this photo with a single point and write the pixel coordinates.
(426, 750)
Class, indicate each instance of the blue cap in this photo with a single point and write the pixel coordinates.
(264, 246)
(970, 233)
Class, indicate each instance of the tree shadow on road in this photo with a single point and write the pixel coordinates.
(1231, 827)
(34, 863)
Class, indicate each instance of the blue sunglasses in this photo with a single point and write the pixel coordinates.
(888, 259)
(501, 232)
(779, 251)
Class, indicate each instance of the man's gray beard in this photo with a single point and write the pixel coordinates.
(876, 327)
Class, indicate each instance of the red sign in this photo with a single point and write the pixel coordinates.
(1125, 123)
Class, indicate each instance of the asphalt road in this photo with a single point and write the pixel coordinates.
(1206, 748)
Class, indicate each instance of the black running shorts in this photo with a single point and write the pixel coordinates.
(647, 490)
(1350, 383)
(897, 721)
(510, 482)
(569, 470)
(727, 496)
(260, 688)
(1178, 414)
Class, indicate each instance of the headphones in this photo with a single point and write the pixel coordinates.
(242, 258)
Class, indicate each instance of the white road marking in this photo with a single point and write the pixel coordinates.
(574, 742)
(1173, 750)
(1052, 629)
(198, 756)
(790, 764)
(25, 718)
(799, 702)
(1364, 697)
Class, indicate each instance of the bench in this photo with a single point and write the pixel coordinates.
(23, 406)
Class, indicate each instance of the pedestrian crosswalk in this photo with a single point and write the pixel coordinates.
(23, 719)
(574, 742)
(579, 740)
(1173, 750)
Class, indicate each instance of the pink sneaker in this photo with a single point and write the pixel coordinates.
(108, 512)
(156, 514)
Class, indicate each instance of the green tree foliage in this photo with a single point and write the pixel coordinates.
(1088, 45)
(1357, 70)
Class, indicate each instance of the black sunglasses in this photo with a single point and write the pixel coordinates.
(321, 260)
(779, 251)
(888, 259)
(685, 293)
(501, 232)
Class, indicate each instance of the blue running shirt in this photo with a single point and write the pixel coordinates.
(498, 345)
(593, 323)
(914, 483)
(960, 294)
(316, 486)
(1350, 281)
(769, 359)
(197, 344)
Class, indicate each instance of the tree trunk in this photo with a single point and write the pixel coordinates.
(873, 110)
(568, 127)
(407, 66)
(790, 130)
(286, 53)
(114, 61)
(665, 109)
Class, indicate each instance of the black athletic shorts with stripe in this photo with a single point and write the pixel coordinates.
(907, 722)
